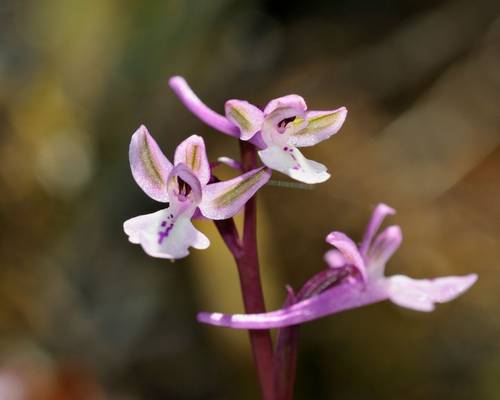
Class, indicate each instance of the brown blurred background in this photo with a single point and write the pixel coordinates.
(86, 315)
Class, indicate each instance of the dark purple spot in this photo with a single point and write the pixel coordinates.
(164, 233)
(164, 223)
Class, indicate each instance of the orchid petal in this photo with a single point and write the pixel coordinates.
(349, 251)
(421, 294)
(150, 167)
(291, 101)
(167, 233)
(291, 162)
(193, 154)
(189, 196)
(245, 116)
(222, 200)
(320, 126)
(337, 299)
(283, 117)
(378, 215)
(384, 246)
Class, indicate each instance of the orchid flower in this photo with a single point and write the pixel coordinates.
(355, 278)
(279, 130)
(184, 187)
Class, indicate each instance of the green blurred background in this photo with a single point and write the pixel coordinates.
(86, 315)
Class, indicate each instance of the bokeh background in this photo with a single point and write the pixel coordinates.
(86, 315)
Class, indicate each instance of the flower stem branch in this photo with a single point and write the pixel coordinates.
(253, 297)
(245, 253)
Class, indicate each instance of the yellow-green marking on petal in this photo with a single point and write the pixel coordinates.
(319, 123)
(240, 118)
(193, 159)
(149, 163)
(238, 190)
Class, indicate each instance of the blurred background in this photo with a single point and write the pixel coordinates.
(86, 315)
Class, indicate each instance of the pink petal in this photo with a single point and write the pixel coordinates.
(149, 165)
(349, 250)
(245, 116)
(222, 200)
(291, 101)
(378, 215)
(283, 117)
(422, 294)
(384, 246)
(320, 125)
(193, 154)
(189, 198)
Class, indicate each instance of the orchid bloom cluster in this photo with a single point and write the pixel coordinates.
(185, 189)
(188, 188)
(284, 125)
(354, 277)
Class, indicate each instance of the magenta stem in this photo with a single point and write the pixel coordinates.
(253, 296)
(245, 254)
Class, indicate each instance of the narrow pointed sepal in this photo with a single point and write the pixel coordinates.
(223, 200)
(378, 215)
(383, 247)
(150, 168)
(320, 125)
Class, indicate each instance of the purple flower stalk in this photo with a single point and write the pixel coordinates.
(185, 188)
(279, 130)
(355, 278)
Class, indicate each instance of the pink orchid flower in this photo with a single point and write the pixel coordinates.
(355, 278)
(279, 130)
(185, 188)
